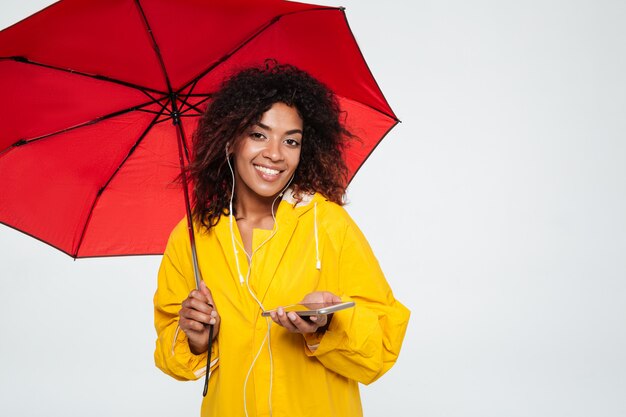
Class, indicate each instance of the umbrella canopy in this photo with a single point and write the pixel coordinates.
(95, 92)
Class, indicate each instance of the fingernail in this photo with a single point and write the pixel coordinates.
(213, 313)
(280, 311)
(292, 316)
(212, 321)
(313, 318)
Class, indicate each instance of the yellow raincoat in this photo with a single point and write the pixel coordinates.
(360, 345)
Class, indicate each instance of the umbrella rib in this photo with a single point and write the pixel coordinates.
(193, 86)
(24, 60)
(250, 39)
(106, 184)
(372, 151)
(195, 111)
(163, 120)
(22, 142)
(191, 106)
(150, 111)
(185, 101)
(75, 256)
(180, 116)
(157, 100)
(181, 130)
(274, 20)
(163, 106)
(39, 239)
(392, 115)
(155, 47)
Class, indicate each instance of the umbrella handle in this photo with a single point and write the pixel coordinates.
(208, 362)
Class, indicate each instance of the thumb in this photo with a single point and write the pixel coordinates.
(329, 297)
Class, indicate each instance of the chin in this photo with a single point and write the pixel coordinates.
(270, 193)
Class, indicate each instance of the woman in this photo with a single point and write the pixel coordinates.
(270, 231)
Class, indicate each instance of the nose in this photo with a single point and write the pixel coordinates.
(273, 150)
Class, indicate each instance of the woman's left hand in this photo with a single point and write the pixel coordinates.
(296, 324)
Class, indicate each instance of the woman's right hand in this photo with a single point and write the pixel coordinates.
(198, 311)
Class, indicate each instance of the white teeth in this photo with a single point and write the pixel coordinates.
(267, 171)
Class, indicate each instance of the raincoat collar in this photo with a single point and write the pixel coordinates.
(287, 217)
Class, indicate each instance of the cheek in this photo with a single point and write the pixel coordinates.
(296, 157)
(295, 164)
(236, 161)
(239, 165)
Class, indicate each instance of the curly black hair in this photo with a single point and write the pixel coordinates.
(240, 103)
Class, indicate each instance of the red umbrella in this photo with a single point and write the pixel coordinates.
(98, 96)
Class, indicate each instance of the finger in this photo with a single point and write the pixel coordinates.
(198, 295)
(273, 317)
(207, 293)
(191, 326)
(319, 321)
(197, 316)
(284, 321)
(196, 310)
(197, 304)
(197, 322)
(301, 325)
(214, 318)
(276, 319)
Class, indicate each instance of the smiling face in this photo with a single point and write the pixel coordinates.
(267, 154)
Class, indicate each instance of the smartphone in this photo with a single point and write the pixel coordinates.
(313, 309)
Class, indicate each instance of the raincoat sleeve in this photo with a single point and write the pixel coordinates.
(175, 281)
(361, 343)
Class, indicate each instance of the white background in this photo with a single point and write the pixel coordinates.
(497, 210)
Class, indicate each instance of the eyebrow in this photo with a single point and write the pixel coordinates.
(289, 132)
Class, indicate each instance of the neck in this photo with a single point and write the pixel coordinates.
(252, 207)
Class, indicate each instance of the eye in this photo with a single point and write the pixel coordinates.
(257, 135)
(292, 142)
